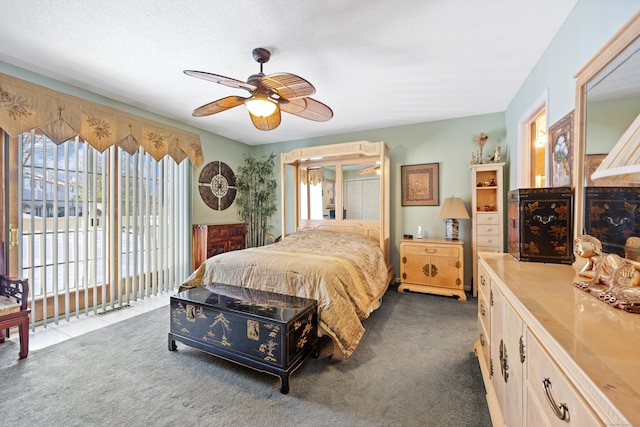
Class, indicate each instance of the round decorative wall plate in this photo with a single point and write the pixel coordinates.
(217, 185)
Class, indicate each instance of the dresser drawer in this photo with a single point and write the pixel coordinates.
(484, 340)
(488, 218)
(546, 382)
(410, 249)
(494, 249)
(488, 229)
(484, 281)
(484, 240)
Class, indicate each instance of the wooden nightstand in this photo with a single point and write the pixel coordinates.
(432, 266)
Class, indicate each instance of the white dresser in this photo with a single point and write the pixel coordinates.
(550, 353)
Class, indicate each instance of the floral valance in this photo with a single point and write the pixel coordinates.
(25, 106)
(311, 176)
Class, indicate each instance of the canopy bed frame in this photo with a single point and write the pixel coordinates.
(345, 162)
(341, 261)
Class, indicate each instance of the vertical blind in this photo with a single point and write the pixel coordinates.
(98, 229)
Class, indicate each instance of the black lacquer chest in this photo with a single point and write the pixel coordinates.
(540, 224)
(267, 331)
(612, 214)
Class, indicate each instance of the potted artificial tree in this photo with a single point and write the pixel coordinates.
(256, 197)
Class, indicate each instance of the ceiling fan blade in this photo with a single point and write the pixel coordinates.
(218, 106)
(288, 86)
(267, 123)
(307, 108)
(227, 81)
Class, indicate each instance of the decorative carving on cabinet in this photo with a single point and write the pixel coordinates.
(430, 270)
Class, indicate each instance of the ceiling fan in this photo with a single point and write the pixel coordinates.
(373, 168)
(269, 95)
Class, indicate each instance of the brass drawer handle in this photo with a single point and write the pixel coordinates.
(561, 411)
(482, 310)
(482, 281)
(430, 250)
(482, 341)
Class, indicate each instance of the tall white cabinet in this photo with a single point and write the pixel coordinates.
(487, 213)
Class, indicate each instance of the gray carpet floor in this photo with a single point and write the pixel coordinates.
(415, 366)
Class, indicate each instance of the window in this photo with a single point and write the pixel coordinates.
(97, 229)
(532, 143)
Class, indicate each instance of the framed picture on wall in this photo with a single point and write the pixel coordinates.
(561, 151)
(420, 185)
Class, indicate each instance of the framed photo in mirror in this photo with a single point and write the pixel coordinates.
(420, 185)
(561, 151)
(330, 194)
(592, 163)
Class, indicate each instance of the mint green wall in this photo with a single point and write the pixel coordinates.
(448, 143)
(607, 121)
(589, 26)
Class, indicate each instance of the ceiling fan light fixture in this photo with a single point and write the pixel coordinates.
(260, 105)
(269, 96)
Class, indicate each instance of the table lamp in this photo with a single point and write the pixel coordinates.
(453, 209)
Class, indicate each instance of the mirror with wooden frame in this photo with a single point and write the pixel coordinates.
(607, 104)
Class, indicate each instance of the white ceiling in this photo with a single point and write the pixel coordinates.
(376, 63)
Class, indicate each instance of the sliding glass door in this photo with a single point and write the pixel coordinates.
(91, 230)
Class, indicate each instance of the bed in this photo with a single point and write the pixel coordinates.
(342, 261)
(345, 273)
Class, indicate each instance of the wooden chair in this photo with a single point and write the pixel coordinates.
(14, 297)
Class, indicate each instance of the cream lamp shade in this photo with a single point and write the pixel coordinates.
(452, 209)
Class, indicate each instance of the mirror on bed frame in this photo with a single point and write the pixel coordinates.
(338, 187)
(607, 103)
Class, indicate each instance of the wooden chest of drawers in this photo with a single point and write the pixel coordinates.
(432, 266)
(266, 331)
(214, 239)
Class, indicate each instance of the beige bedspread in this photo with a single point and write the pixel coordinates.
(345, 273)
